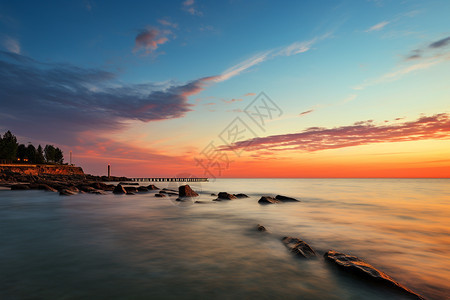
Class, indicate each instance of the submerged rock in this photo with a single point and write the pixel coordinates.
(142, 189)
(261, 228)
(69, 191)
(186, 191)
(267, 200)
(359, 267)
(119, 190)
(298, 247)
(240, 195)
(286, 199)
(160, 195)
(152, 187)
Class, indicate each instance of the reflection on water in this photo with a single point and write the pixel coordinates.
(116, 246)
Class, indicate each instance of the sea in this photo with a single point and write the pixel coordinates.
(140, 246)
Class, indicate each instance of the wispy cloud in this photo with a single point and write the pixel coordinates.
(249, 94)
(188, 6)
(11, 44)
(306, 112)
(232, 100)
(167, 23)
(360, 133)
(149, 40)
(399, 73)
(292, 49)
(378, 26)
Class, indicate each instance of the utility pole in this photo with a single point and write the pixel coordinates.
(70, 158)
(109, 171)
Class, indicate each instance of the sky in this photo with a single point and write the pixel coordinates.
(232, 88)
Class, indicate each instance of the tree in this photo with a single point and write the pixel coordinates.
(8, 146)
(31, 153)
(59, 157)
(49, 152)
(21, 152)
(40, 155)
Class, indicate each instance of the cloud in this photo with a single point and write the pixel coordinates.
(167, 23)
(292, 49)
(399, 73)
(249, 94)
(188, 6)
(149, 40)
(441, 43)
(306, 112)
(88, 5)
(231, 100)
(360, 133)
(378, 26)
(12, 45)
(61, 101)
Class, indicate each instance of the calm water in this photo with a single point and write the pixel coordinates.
(141, 247)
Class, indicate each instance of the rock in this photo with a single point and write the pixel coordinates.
(20, 187)
(359, 267)
(165, 189)
(298, 247)
(99, 192)
(87, 188)
(160, 195)
(128, 183)
(261, 228)
(286, 199)
(130, 193)
(142, 189)
(119, 190)
(268, 200)
(203, 202)
(212, 194)
(186, 191)
(130, 189)
(168, 193)
(240, 195)
(46, 187)
(69, 191)
(152, 187)
(225, 196)
(102, 186)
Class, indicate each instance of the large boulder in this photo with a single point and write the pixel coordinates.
(225, 196)
(186, 191)
(267, 200)
(286, 199)
(359, 267)
(298, 247)
(119, 190)
(131, 189)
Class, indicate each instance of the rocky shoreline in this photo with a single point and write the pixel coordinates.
(73, 184)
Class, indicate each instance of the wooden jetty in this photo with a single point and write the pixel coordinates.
(191, 179)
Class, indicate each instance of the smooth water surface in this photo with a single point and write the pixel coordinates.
(141, 247)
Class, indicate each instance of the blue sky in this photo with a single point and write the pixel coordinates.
(154, 72)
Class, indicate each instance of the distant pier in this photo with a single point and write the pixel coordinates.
(191, 179)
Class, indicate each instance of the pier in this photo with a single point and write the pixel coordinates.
(191, 179)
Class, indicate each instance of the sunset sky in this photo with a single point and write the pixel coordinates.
(231, 88)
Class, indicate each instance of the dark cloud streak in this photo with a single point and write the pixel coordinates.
(59, 101)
